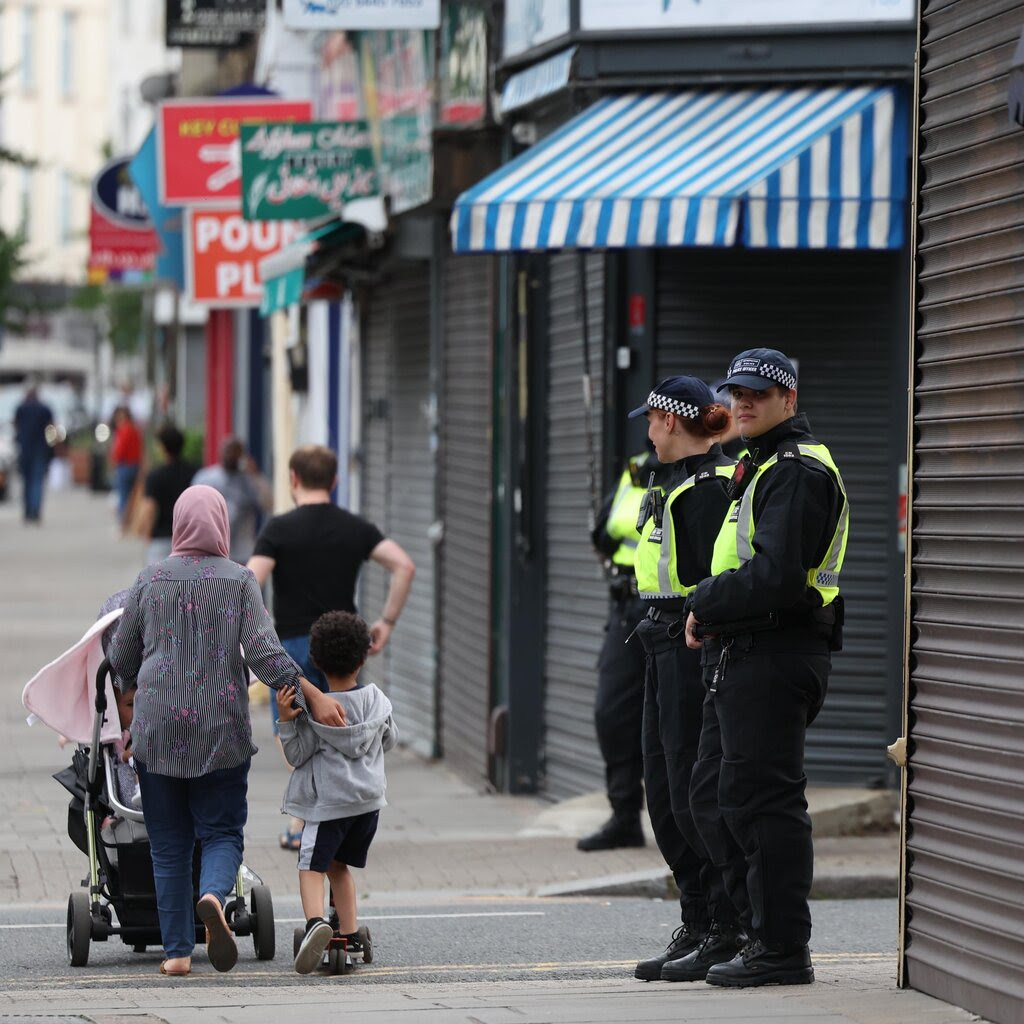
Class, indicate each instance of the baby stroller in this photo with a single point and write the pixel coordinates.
(111, 832)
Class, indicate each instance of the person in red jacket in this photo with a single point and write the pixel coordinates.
(126, 455)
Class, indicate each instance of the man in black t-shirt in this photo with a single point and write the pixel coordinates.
(314, 554)
(162, 489)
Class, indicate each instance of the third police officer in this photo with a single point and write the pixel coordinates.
(769, 615)
(618, 705)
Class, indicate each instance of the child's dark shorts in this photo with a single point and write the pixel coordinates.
(346, 840)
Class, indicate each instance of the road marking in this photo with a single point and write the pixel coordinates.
(408, 971)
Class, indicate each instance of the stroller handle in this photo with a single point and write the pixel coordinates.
(97, 724)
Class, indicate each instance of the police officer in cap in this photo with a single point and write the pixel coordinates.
(618, 706)
(674, 554)
(767, 619)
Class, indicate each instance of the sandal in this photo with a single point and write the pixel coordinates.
(176, 972)
(220, 943)
(291, 841)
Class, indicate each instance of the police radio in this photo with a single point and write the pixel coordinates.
(741, 476)
(650, 505)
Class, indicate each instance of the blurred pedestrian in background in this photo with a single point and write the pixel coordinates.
(194, 625)
(164, 485)
(126, 455)
(246, 492)
(31, 419)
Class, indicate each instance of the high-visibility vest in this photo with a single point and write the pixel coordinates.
(657, 576)
(734, 545)
(624, 512)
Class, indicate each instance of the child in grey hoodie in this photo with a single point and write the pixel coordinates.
(338, 785)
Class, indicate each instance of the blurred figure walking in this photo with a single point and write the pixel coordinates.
(126, 455)
(164, 485)
(31, 420)
(246, 492)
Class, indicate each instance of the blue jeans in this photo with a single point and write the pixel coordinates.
(124, 480)
(33, 476)
(298, 650)
(212, 809)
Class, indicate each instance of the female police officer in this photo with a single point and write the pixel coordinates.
(674, 554)
(769, 626)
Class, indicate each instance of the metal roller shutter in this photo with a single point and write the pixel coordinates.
(412, 466)
(964, 896)
(377, 361)
(398, 492)
(465, 619)
(577, 598)
(838, 314)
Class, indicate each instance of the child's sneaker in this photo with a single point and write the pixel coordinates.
(314, 942)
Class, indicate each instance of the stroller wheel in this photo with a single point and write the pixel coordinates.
(79, 928)
(262, 915)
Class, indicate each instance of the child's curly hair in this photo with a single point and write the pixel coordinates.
(339, 643)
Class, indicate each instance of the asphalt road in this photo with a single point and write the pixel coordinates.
(466, 941)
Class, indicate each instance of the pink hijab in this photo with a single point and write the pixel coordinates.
(200, 523)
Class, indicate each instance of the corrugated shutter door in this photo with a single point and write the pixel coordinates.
(965, 827)
(465, 592)
(412, 465)
(834, 313)
(577, 598)
(375, 478)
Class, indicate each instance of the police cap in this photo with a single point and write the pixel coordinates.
(684, 396)
(759, 369)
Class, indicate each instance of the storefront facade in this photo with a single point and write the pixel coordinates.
(681, 285)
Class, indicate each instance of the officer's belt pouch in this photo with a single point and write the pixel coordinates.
(829, 622)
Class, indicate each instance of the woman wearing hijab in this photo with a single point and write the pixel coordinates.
(193, 626)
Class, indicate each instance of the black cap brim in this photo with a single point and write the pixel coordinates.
(746, 380)
(640, 410)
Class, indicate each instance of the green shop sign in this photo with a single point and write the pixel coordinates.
(296, 171)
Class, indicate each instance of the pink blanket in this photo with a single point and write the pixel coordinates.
(62, 694)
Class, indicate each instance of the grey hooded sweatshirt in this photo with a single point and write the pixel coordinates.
(339, 770)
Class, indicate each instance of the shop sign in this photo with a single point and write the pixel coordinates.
(302, 171)
(398, 81)
(121, 235)
(338, 85)
(463, 71)
(199, 157)
(170, 260)
(362, 14)
(212, 23)
(223, 251)
(644, 15)
(528, 23)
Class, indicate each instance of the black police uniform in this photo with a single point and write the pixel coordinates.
(618, 703)
(674, 695)
(766, 685)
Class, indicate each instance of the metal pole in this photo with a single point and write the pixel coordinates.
(588, 388)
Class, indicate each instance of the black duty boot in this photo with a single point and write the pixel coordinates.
(718, 946)
(615, 832)
(684, 940)
(758, 964)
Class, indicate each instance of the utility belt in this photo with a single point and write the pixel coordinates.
(825, 622)
(622, 587)
(666, 616)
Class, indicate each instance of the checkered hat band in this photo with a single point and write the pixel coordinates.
(663, 402)
(768, 370)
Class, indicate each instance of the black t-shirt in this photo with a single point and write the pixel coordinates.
(164, 485)
(318, 551)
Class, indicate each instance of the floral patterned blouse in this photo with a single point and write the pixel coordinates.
(190, 627)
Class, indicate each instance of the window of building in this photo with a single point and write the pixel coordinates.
(67, 54)
(63, 207)
(27, 68)
(25, 212)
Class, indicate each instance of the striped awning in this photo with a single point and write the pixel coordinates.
(786, 168)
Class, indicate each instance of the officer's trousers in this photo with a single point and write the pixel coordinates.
(618, 708)
(673, 696)
(748, 787)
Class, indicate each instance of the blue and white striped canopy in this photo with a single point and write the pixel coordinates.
(787, 168)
